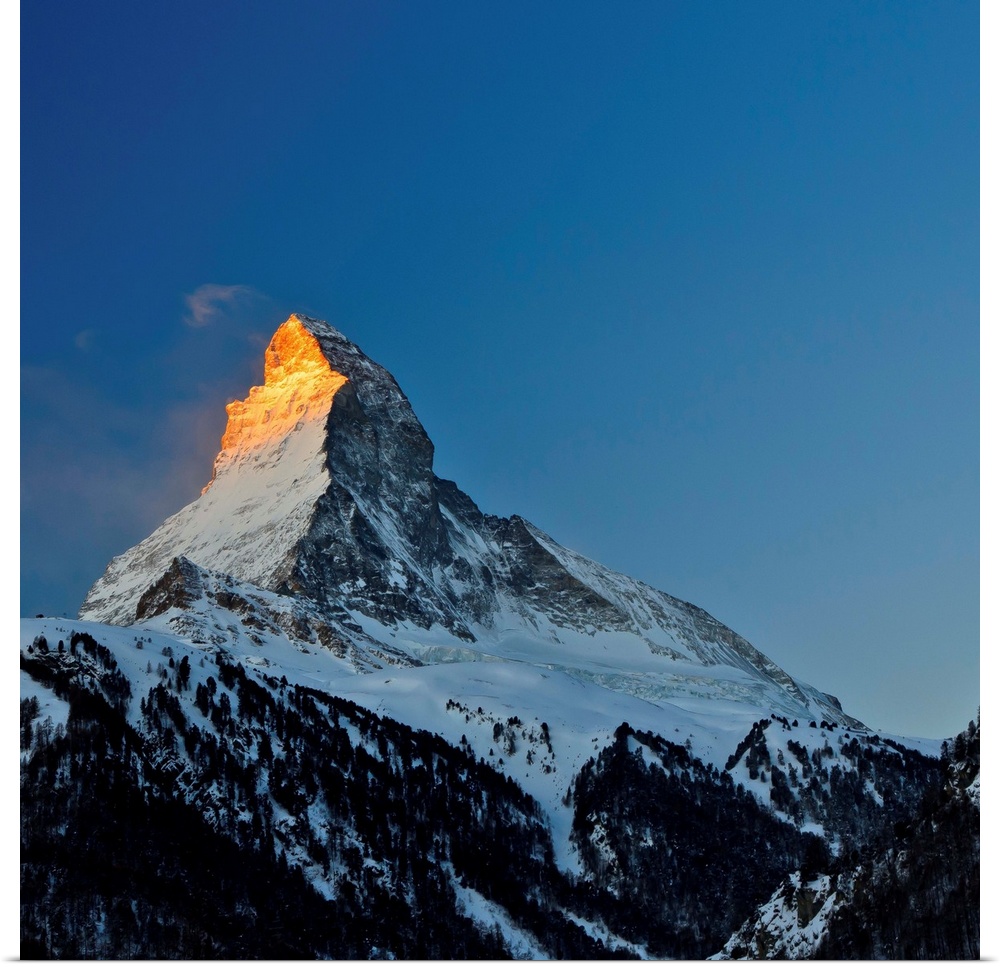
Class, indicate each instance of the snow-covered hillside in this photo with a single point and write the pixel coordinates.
(914, 896)
(240, 735)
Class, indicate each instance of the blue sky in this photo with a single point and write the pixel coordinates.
(693, 287)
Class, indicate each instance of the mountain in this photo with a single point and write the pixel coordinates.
(422, 730)
(915, 897)
(324, 491)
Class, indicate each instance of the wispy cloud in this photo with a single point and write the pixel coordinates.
(211, 301)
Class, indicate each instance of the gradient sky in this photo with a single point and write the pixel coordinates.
(693, 287)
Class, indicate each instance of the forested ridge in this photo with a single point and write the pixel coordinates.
(223, 812)
(919, 899)
(188, 841)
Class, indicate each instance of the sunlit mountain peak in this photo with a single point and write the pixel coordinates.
(299, 386)
(293, 353)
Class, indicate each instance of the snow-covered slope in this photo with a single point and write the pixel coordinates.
(912, 895)
(231, 671)
(324, 490)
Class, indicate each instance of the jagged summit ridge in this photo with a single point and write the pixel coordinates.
(324, 490)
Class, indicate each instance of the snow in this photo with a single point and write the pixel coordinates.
(474, 905)
(50, 706)
(581, 716)
(504, 674)
(599, 932)
(776, 924)
(972, 790)
(582, 686)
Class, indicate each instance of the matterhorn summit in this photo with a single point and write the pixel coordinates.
(328, 433)
(324, 496)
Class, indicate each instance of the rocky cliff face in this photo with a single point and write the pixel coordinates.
(324, 490)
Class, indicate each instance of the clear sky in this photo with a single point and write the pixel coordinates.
(692, 286)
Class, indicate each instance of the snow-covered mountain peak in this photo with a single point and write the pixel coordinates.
(324, 491)
(327, 422)
(294, 352)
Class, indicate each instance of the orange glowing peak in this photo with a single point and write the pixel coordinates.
(293, 353)
(298, 390)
